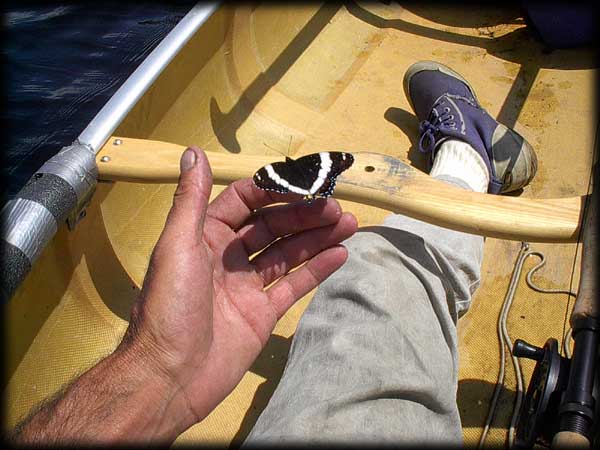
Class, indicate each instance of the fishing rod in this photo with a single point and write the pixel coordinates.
(560, 408)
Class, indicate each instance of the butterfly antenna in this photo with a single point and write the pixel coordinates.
(273, 148)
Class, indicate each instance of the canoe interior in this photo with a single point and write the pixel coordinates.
(299, 79)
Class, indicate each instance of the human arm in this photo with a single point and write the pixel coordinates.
(116, 401)
(203, 315)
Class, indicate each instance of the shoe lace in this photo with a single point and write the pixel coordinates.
(439, 119)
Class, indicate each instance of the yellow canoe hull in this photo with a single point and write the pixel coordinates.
(291, 80)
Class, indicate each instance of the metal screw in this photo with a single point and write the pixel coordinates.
(105, 159)
(118, 142)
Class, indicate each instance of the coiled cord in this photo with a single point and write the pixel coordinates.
(505, 340)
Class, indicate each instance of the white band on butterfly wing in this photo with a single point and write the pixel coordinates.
(326, 163)
(280, 181)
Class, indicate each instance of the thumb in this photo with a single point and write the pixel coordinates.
(192, 194)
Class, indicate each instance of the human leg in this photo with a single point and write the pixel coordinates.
(374, 357)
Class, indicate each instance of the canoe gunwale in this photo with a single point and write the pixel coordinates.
(118, 106)
(61, 189)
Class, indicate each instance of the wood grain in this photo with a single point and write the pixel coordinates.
(374, 179)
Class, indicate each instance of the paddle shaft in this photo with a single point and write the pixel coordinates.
(374, 179)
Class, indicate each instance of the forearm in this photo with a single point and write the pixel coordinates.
(118, 400)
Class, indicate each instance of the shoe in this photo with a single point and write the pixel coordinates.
(448, 108)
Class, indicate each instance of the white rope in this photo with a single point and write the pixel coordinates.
(505, 340)
(532, 285)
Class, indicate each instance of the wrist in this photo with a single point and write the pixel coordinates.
(121, 399)
(161, 411)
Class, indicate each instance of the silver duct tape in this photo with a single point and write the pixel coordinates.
(76, 164)
(27, 225)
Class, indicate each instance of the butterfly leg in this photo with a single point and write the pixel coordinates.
(309, 198)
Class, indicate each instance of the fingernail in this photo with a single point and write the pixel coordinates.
(188, 160)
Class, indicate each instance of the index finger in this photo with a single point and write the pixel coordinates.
(238, 201)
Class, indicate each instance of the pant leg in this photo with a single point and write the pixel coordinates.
(374, 357)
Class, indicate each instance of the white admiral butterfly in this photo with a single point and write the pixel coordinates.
(311, 175)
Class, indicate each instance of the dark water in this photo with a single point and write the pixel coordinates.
(61, 63)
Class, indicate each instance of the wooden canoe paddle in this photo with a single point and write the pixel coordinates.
(374, 179)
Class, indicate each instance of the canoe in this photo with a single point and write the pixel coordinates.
(253, 84)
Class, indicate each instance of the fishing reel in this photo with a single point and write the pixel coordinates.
(539, 418)
(561, 393)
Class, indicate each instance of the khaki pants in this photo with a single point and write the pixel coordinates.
(374, 358)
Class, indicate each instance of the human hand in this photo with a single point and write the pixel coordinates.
(208, 306)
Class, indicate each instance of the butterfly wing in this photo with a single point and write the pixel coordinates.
(265, 180)
(339, 161)
(310, 175)
(305, 171)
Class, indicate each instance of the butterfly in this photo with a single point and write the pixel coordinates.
(312, 175)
